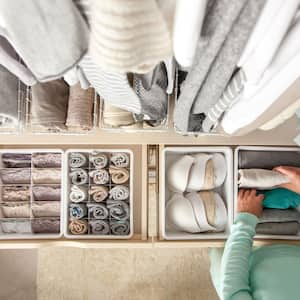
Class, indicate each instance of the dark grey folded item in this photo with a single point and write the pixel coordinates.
(15, 193)
(15, 176)
(46, 192)
(279, 215)
(100, 227)
(120, 227)
(274, 228)
(249, 159)
(16, 160)
(46, 160)
(41, 225)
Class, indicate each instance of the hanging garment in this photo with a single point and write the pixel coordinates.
(128, 36)
(54, 39)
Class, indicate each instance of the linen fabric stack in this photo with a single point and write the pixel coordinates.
(99, 193)
(30, 193)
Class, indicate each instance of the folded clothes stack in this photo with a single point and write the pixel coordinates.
(99, 193)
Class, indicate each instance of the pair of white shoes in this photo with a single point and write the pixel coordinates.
(197, 212)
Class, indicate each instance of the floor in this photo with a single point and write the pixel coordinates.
(88, 274)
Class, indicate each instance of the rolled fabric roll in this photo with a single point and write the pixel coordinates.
(98, 160)
(118, 210)
(16, 160)
(77, 160)
(119, 192)
(15, 176)
(42, 176)
(46, 160)
(46, 192)
(120, 227)
(78, 194)
(118, 175)
(120, 160)
(98, 193)
(78, 227)
(97, 211)
(79, 176)
(16, 210)
(42, 225)
(100, 227)
(46, 209)
(100, 176)
(16, 226)
(15, 193)
(77, 211)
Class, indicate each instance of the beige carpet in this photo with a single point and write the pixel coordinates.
(108, 274)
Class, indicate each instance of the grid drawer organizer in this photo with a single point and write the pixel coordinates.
(31, 194)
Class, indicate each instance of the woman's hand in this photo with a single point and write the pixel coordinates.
(294, 176)
(248, 202)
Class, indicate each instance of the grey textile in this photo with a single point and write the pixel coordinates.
(120, 227)
(279, 215)
(16, 160)
(249, 159)
(51, 37)
(274, 228)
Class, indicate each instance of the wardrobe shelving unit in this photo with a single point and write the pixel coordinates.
(146, 177)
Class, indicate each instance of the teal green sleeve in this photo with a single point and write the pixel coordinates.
(235, 261)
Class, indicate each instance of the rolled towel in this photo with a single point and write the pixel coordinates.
(44, 176)
(78, 193)
(97, 211)
(120, 160)
(16, 160)
(80, 108)
(118, 175)
(98, 193)
(119, 192)
(15, 176)
(120, 227)
(100, 176)
(42, 225)
(79, 176)
(78, 227)
(282, 228)
(77, 211)
(16, 210)
(261, 179)
(46, 209)
(98, 160)
(46, 192)
(100, 227)
(118, 210)
(15, 193)
(16, 226)
(46, 160)
(77, 160)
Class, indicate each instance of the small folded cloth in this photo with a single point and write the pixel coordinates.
(120, 227)
(98, 160)
(100, 227)
(97, 211)
(260, 179)
(42, 225)
(49, 105)
(118, 175)
(78, 227)
(16, 160)
(46, 160)
(79, 176)
(120, 160)
(274, 228)
(44, 176)
(16, 210)
(16, 226)
(45, 209)
(15, 176)
(80, 108)
(197, 172)
(119, 192)
(15, 193)
(98, 193)
(100, 176)
(46, 192)
(78, 160)
(78, 193)
(77, 211)
(118, 210)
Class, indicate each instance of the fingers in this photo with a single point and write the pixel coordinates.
(253, 193)
(241, 193)
(260, 197)
(289, 171)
